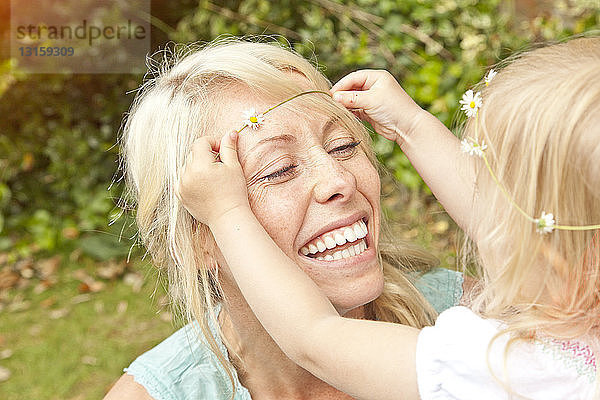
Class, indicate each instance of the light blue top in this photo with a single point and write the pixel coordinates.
(182, 367)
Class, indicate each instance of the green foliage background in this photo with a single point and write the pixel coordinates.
(57, 153)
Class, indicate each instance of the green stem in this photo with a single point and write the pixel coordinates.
(285, 101)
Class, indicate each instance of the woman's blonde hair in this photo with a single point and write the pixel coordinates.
(176, 105)
(541, 121)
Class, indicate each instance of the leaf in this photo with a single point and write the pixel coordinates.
(8, 278)
(103, 247)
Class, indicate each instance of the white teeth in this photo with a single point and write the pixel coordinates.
(329, 242)
(348, 252)
(357, 230)
(349, 234)
(321, 246)
(339, 239)
(351, 250)
(364, 227)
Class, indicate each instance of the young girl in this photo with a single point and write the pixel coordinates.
(525, 186)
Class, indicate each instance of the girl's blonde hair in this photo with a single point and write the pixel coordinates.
(541, 121)
(176, 105)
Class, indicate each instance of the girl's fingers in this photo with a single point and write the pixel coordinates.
(357, 80)
(353, 99)
(202, 149)
(228, 148)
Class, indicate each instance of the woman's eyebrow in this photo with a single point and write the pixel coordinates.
(283, 137)
(329, 124)
(277, 138)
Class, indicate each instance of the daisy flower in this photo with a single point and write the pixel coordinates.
(471, 103)
(545, 224)
(490, 75)
(473, 148)
(252, 119)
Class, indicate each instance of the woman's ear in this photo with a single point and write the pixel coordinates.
(205, 247)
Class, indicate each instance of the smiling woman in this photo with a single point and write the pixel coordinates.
(313, 183)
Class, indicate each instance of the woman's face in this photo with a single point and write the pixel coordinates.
(314, 191)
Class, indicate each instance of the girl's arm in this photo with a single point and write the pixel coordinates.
(433, 150)
(367, 359)
(437, 156)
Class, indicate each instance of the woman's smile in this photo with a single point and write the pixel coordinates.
(340, 241)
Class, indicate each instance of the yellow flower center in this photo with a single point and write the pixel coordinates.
(472, 104)
(253, 119)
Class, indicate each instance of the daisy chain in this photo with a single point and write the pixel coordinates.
(545, 224)
(252, 119)
(471, 103)
(473, 148)
(490, 75)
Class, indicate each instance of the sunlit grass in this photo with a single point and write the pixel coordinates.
(71, 346)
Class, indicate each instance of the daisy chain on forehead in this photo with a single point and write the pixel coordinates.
(546, 223)
(254, 120)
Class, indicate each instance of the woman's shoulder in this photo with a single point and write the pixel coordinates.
(182, 366)
(127, 388)
(443, 288)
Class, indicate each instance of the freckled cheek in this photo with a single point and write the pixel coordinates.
(278, 209)
(373, 185)
(367, 181)
(369, 184)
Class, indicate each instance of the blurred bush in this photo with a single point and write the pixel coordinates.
(58, 132)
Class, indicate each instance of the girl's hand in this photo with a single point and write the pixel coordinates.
(375, 96)
(212, 185)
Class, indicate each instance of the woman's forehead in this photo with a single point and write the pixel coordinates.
(280, 129)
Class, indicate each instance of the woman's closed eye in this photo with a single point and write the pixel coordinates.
(287, 170)
(345, 151)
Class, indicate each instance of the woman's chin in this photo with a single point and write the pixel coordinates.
(350, 305)
(348, 283)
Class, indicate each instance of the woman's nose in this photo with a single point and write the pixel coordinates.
(332, 181)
